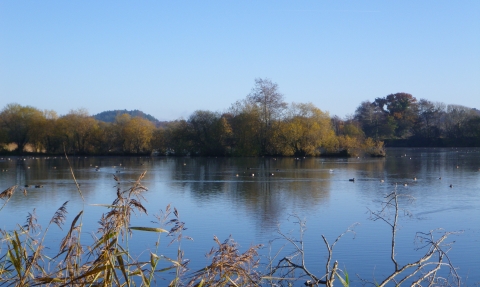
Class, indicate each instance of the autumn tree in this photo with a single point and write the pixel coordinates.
(269, 100)
(224, 134)
(3, 138)
(337, 124)
(117, 133)
(20, 124)
(376, 123)
(105, 138)
(306, 130)
(137, 135)
(401, 107)
(349, 126)
(159, 141)
(177, 138)
(429, 119)
(473, 129)
(456, 121)
(77, 130)
(131, 135)
(210, 133)
(45, 138)
(203, 134)
(245, 122)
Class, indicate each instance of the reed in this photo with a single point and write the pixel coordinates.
(108, 260)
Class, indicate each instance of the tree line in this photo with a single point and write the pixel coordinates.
(401, 118)
(262, 124)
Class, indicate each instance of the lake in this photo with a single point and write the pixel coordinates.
(252, 198)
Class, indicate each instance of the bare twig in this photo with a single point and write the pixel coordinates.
(435, 249)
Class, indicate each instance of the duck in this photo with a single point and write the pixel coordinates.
(38, 186)
(352, 179)
(451, 185)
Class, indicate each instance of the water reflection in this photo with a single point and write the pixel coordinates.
(248, 197)
(264, 188)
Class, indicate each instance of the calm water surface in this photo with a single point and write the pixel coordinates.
(213, 200)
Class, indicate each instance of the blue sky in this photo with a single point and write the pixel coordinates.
(170, 58)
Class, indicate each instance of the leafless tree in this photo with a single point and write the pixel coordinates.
(423, 271)
(265, 94)
(293, 267)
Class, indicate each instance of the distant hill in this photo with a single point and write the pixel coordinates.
(109, 116)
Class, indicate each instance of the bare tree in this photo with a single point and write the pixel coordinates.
(456, 120)
(265, 94)
(293, 267)
(429, 118)
(425, 269)
(422, 272)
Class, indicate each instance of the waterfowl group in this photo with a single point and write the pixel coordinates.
(36, 186)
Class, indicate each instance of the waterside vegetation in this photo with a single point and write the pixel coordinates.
(262, 124)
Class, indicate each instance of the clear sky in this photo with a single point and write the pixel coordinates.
(170, 58)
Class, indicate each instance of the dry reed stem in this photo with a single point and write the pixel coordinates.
(229, 266)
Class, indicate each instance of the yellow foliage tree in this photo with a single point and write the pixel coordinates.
(307, 130)
(19, 124)
(137, 134)
(78, 128)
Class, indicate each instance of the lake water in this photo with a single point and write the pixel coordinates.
(213, 200)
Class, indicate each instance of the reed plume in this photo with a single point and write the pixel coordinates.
(60, 215)
(7, 193)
